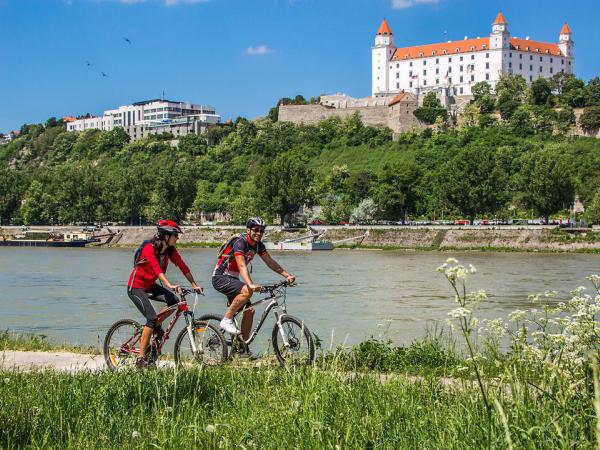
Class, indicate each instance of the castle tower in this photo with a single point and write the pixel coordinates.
(381, 53)
(500, 37)
(565, 41)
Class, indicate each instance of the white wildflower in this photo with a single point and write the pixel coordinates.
(462, 369)
(210, 428)
(135, 434)
(169, 409)
(472, 268)
(458, 313)
(517, 315)
(7, 380)
(452, 261)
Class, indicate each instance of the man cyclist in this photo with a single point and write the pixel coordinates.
(150, 266)
(232, 263)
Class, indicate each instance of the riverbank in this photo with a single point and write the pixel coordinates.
(485, 238)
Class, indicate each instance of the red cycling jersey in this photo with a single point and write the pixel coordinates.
(145, 275)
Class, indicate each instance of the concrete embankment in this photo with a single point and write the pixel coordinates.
(537, 238)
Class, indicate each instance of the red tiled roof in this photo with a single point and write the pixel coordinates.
(396, 99)
(445, 48)
(384, 28)
(565, 29)
(500, 20)
(525, 45)
(472, 45)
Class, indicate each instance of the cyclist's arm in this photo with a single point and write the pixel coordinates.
(275, 267)
(244, 273)
(163, 279)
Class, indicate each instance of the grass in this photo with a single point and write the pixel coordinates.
(39, 343)
(275, 408)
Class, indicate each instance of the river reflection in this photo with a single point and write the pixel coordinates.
(73, 295)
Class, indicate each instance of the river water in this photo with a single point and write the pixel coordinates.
(73, 295)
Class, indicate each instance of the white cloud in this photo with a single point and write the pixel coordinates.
(404, 4)
(260, 50)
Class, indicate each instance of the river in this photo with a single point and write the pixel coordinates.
(73, 295)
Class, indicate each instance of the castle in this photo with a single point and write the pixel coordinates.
(452, 68)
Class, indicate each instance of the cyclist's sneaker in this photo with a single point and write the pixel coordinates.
(229, 326)
(141, 363)
(248, 355)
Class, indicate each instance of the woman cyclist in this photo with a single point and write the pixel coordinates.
(151, 265)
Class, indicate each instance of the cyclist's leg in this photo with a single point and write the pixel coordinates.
(141, 300)
(161, 294)
(238, 301)
(247, 320)
(236, 291)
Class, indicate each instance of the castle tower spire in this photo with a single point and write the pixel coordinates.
(565, 40)
(500, 37)
(381, 54)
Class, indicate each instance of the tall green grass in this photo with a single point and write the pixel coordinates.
(274, 408)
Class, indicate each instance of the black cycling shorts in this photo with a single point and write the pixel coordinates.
(141, 299)
(229, 286)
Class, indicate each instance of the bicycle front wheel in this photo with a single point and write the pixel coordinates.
(292, 342)
(122, 344)
(209, 346)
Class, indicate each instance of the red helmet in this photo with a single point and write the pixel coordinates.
(168, 227)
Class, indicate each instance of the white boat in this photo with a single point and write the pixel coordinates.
(310, 242)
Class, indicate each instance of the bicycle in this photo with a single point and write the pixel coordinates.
(199, 342)
(292, 340)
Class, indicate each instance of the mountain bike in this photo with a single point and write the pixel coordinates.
(292, 340)
(199, 343)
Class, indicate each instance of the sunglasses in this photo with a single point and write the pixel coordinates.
(258, 230)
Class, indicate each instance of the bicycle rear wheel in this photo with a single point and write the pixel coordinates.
(300, 349)
(211, 347)
(122, 344)
(235, 343)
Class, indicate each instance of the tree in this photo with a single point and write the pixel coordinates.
(521, 121)
(592, 211)
(282, 186)
(593, 92)
(540, 91)
(192, 144)
(395, 190)
(474, 181)
(574, 93)
(510, 93)
(365, 212)
(545, 182)
(590, 119)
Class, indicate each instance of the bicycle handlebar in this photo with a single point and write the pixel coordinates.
(271, 287)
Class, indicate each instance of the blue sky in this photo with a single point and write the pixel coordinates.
(239, 56)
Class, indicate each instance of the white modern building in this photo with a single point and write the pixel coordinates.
(455, 66)
(148, 113)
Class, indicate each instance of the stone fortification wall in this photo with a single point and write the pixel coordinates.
(312, 114)
(580, 131)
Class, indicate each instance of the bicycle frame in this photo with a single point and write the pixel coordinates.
(279, 313)
(180, 308)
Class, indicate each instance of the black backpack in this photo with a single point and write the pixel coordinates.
(227, 243)
(137, 256)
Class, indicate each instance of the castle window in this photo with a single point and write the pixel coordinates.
(487, 76)
(449, 69)
(472, 48)
(510, 55)
(410, 84)
(562, 61)
(547, 51)
(410, 73)
(437, 81)
(433, 53)
(530, 57)
(540, 69)
(509, 66)
(530, 67)
(530, 78)
(444, 51)
(461, 78)
(461, 68)
(450, 80)
(520, 66)
(472, 57)
(437, 60)
(487, 55)
(424, 82)
(397, 65)
(520, 55)
(461, 58)
(461, 90)
(397, 74)
(457, 50)
(450, 59)
(421, 54)
(410, 64)
(472, 77)
(484, 46)
(437, 71)
(551, 60)
(487, 65)
(424, 62)
(424, 72)
(541, 59)
(527, 49)
(551, 70)
(397, 85)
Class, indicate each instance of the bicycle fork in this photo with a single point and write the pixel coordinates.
(278, 317)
